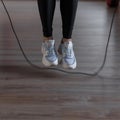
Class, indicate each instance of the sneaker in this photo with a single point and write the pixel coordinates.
(68, 56)
(49, 53)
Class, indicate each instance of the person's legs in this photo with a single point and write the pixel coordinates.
(46, 10)
(68, 12)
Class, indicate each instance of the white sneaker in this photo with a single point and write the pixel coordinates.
(68, 56)
(49, 53)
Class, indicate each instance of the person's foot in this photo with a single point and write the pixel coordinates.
(68, 56)
(49, 53)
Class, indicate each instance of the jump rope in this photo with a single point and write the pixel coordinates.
(58, 69)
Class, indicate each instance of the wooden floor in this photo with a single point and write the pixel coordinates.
(30, 94)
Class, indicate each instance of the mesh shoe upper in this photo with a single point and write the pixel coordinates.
(48, 49)
(68, 53)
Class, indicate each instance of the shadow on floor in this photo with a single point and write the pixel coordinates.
(18, 72)
(28, 71)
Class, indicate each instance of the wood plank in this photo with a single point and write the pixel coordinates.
(30, 94)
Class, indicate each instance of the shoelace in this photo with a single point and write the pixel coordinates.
(67, 52)
(50, 51)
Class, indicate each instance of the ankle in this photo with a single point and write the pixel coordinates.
(66, 40)
(47, 38)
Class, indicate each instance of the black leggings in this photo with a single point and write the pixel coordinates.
(68, 11)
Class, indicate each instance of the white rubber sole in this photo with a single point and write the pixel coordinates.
(66, 66)
(48, 64)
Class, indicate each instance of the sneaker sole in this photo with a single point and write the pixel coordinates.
(66, 66)
(48, 64)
